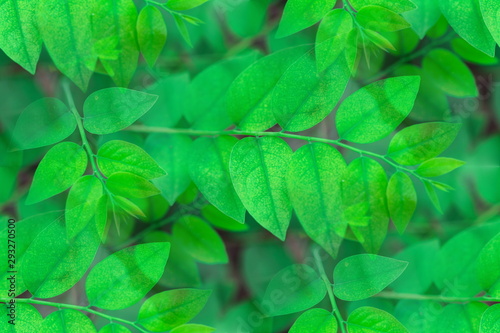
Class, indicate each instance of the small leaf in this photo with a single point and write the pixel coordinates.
(431, 193)
(128, 185)
(295, 288)
(367, 319)
(67, 320)
(418, 143)
(381, 19)
(401, 200)
(221, 220)
(258, 172)
(315, 321)
(200, 240)
(81, 204)
(151, 33)
(361, 276)
(116, 155)
(301, 14)
(490, 321)
(126, 276)
(42, 123)
(181, 26)
(438, 166)
(169, 309)
(128, 206)
(112, 109)
(184, 4)
(376, 110)
(59, 169)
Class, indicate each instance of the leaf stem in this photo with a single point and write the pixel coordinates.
(329, 289)
(75, 307)
(438, 298)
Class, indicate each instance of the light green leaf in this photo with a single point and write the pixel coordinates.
(184, 4)
(116, 155)
(115, 20)
(81, 204)
(169, 309)
(172, 152)
(471, 54)
(460, 317)
(181, 26)
(114, 328)
(367, 319)
(490, 11)
(301, 14)
(364, 197)
(398, 6)
(315, 175)
(151, 33)
(303, 97)
(490, 321)
(42, 123)
(210, 172)
(65, 27)
(465, 18)
(431, 193)
(192, 328)
(128, 185)
(199, 240)
(418, 143)
(361, 276)
(295, 288)
(401, 200)
(53, 264)
(205, 102)
(378, 18)
(438, 166)
(450, 73)
(125, 277)
(112, 109)
(59, 169)
(221, 220)
(249, 96)
(67, 320)
(19, 36)
(332, 37)
(376, 110)
(128, 206)
(488, 267)
(27, 318)
(315, 321)
(258, 172)
(424, 16)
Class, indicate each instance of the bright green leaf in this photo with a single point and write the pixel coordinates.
(367, 319)
(81, 204)
(490, 321)
(67, 320)
(471, 54)
(114, 328)
(184, 4)
(128, 185)
(315, 321)
(381, 19)
(401, 200)
(398, 6)
(151, 33)
(438, 166)
(192, 328)
(27, 318)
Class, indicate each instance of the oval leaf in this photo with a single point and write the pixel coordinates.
(151, 33)
(81, 204)
(401, 200)
(128, 185)
(367, 319)
(67, 320)
(315, 321)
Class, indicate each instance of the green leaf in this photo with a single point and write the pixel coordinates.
(181, 26)
(315, 175)
(295, 288)
(376, 110)
(332, 37)
(128, 185)
(490, 321)
(112, 109)
(19, 36)
(431, 193)
(249, 96)
(151, 33)
(367, 319)
(364, 198)
(81, 204)
(488, 267)
(401, 200)
(59, 169)
(184, 4)
(27, 318)
(192, 328)
(380, 19)
(466, 19)
(438, 166)
(301, 14)
(303, 97)
(67, 320)
(125, 277)
(258, 172)
(471, 54)
(172, 152)
(361, 276)
(398, 6)
(128, 206)
(450, 73)
(200, 240)
(205, 102)
(115, 21)
(42, 123)
(424, 16)
(489, 11)
(53, 264)
(428, 311)
(237, 18)
(169, 309)
(114, 328)
(116, 155)
(419, 143)
(221, 220)
(315, 321)
(210, 172)
(65, 27)
(460, 317)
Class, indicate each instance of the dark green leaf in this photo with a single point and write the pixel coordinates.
(401, 200)
(471, 54)
(424, 16)
(221, 220)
